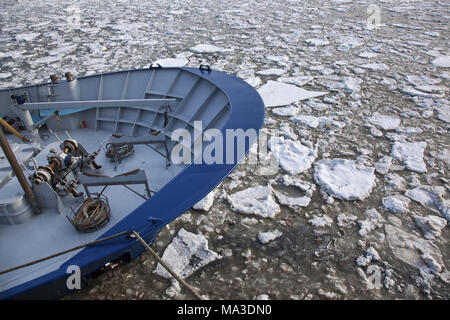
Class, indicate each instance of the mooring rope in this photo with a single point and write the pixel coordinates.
(132, 234)
(64, 252)
(165, 265)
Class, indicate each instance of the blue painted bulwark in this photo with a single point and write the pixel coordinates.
(246, 112)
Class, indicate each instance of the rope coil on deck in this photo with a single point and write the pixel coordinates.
(92, 215)
(120, 152)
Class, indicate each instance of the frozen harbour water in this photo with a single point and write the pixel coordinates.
(363, 173)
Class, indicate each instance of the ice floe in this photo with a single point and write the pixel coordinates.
(410, 248)
(375, 66)
(375, 132)
(333, 83)
(384, 122)
(293, 202)
(292, 156)
(186, 254)
(316, 104)
(352, 84)
(421, 80)
(371, 255)
(321, 221)
(438, 90)
(254, 81)
(257, 200)
(266, 237)
(346, 220)
(174, 289)
(410, 154)
(277, 94)
(344, 179)
(288, 180)
(431, 197)
(208, 48)
(286, 131)
(317, 42)
(286, 111)
(26, 36)
(346, 43)
(383, 165)
(426, 91)
(172, 62)
(280, 60)
(5, 75)
(441, 62)
(310, 121)
(271, 72)
(298, 81)
(443, 113)
(409, 130)
(207, 202)
(430, 225)
(368, 54)
(330, 123)
(314, 122)
(396, 204)
(373, 221)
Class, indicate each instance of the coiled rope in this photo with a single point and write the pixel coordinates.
(92, 215)
(117, 153)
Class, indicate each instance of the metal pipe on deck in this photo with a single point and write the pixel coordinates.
(18, 172)
(98, 104)
(43, 121)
